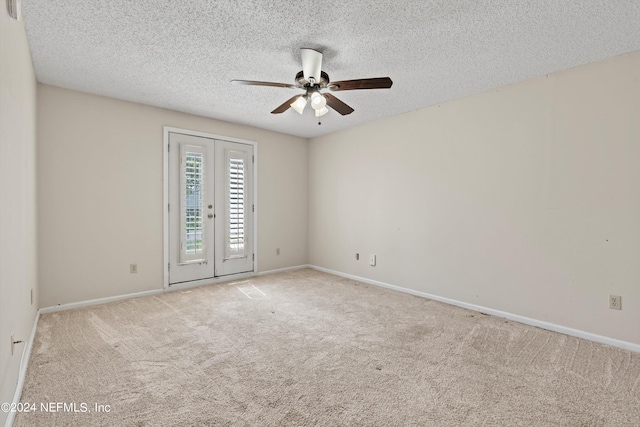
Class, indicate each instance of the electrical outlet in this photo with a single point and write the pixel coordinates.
(372, 260)
(14, 342)
(277, 251)
(133, 268)
(357, 257)
(615, 302)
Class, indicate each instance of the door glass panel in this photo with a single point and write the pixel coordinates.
(193, 248)
(235, 239)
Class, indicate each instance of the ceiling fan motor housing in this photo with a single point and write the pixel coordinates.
(323, 82)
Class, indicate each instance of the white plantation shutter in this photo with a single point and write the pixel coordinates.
(236, 205)
(234, 208)
(192, 181)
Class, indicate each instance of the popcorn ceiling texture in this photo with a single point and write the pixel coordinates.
(182, 55)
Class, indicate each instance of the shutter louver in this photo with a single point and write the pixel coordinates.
(236, 206)
(192, 247)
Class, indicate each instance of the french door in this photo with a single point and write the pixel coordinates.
(210, 208)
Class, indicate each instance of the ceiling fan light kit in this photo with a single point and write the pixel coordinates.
(321, 111)
(299, 104)
(312, 79)
(318, 101)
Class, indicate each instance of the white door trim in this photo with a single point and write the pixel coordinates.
(165, 198)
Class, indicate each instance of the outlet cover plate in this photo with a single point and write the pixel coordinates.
(615, 302)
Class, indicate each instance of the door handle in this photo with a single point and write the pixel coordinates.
(210, 215)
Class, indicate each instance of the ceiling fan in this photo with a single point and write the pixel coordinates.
(312, 79)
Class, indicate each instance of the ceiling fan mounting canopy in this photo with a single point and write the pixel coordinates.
(312, 79)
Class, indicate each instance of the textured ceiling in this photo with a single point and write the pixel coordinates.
(181, 55)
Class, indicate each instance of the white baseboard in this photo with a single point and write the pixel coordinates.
(280, 270)
(514, 317)
(26, 354)
(176, 287)
(22, 373)
(503, 314)
(98, 301)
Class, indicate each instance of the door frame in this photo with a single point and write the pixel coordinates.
(165, 208)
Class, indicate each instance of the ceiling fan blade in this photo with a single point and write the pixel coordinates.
(311, 63)
(255, 83)
(285, 106)
(374, 83)
(337, 105)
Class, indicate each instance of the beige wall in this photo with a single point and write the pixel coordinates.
(100, 194)
(18, 254)
(524, 199)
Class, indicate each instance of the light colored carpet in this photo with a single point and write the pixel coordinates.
(306, 348)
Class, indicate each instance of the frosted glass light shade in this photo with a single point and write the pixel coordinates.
(318, 101)
(322, 111)
(299, 104)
